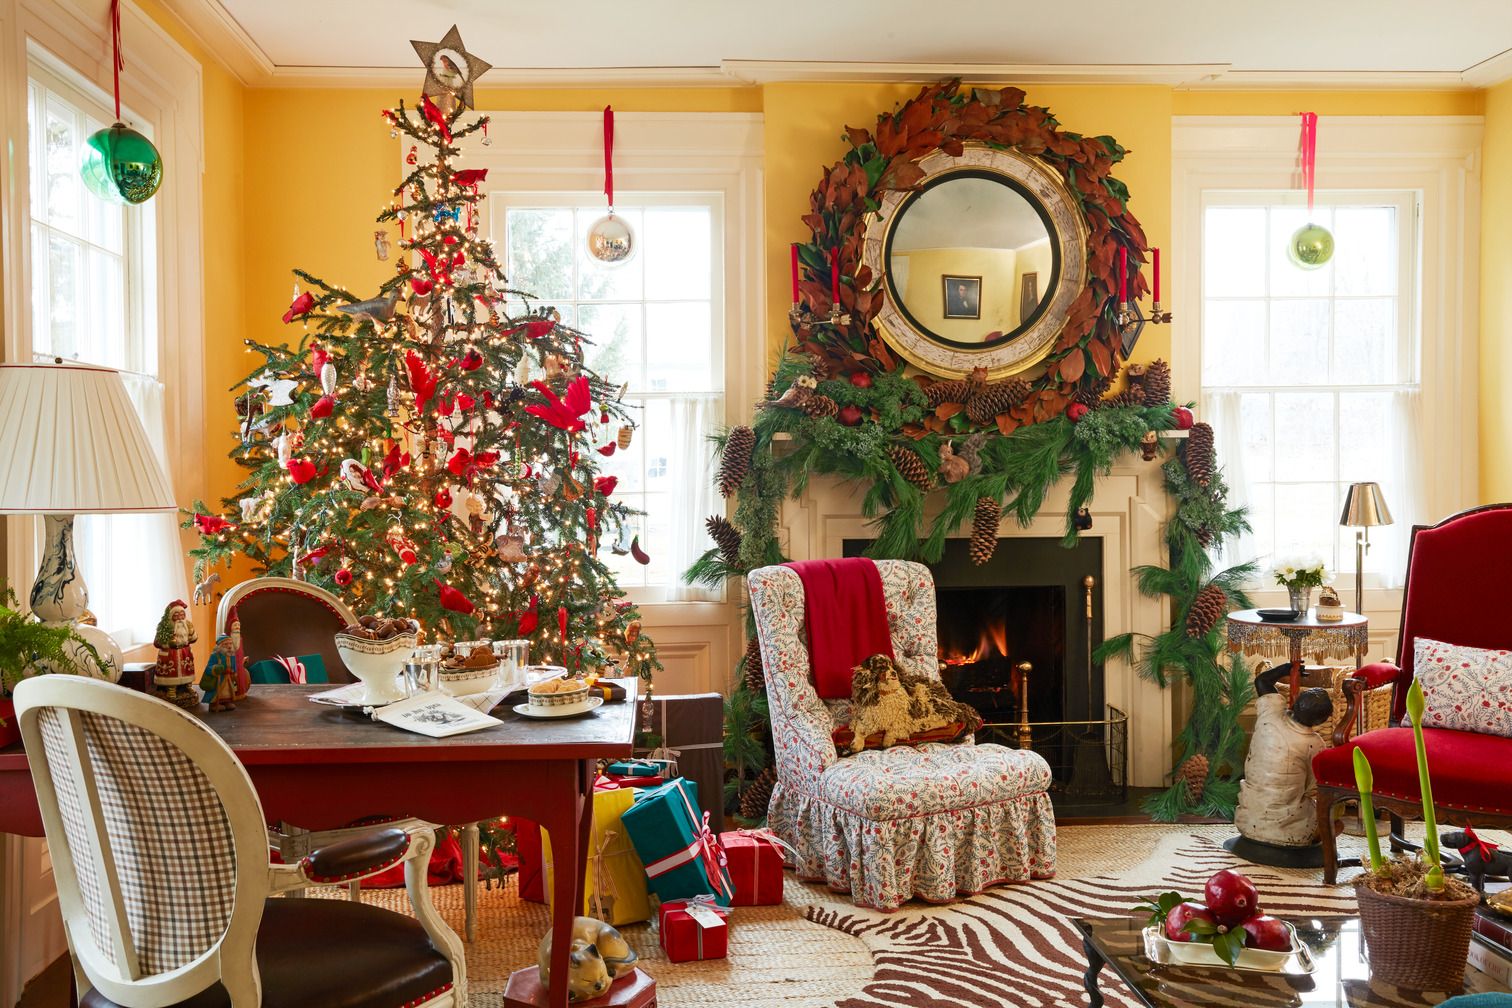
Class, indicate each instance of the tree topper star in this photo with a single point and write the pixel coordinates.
(449, 68)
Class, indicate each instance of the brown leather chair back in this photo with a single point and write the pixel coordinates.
(278, 618)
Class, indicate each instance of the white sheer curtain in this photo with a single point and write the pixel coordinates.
(691, 460)
(1221, 410)
(133, 564)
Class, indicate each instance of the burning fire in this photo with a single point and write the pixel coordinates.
(992, 643)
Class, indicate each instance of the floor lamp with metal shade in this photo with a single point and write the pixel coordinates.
(70, 444)
(1364, 507)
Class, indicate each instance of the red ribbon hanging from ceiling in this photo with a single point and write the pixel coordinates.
(118, 64)
(1309, 154)
(609, 154)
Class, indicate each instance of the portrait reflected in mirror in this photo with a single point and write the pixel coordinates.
(966, 256)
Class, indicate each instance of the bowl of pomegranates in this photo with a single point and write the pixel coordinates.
(1226, 927)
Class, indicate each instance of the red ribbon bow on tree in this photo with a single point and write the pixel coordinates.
(567, 413)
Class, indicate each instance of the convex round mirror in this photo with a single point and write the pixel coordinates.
(980, 263)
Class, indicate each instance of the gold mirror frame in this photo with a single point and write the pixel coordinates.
(1025, 347)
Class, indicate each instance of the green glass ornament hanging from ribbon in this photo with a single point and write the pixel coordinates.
(120, 164)
(1312, 244)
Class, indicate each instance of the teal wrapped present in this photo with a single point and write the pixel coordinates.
(672, 837)
(308, 668)
(633, 768)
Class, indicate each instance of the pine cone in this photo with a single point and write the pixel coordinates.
(755, 678)
(1157, 384)
(1131, 396)
(1091, 395)
(995, 399)
(1208, 608)
(910, 466)
(941, 392)
(1197, 454)
(757, 796)
(984, 530)
(735, 463)
(726, 537)
(1193, 774)
(820, 406)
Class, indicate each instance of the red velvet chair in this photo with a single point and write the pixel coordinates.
(1459, 591)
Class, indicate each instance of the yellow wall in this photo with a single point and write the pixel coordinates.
(1495, 285)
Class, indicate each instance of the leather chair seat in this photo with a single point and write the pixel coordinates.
(330, 953)
(1468, 769)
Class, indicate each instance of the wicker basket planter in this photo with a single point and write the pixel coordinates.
(1422, 945)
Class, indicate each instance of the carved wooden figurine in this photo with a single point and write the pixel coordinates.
(219, 681)
(175, 672)
(1276, 795)
(599, 955)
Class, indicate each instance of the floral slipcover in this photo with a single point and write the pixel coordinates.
(931, 821)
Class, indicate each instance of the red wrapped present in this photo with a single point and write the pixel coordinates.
(755, 860)
(532, 864)
(635, 782)
(696, 928)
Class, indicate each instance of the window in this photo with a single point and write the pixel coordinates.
(93, 283)
(1311, 377)
(655, 323)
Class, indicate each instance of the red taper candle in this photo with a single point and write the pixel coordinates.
(1156, 292)
(835, 277)
(1123, 274)
(793, 249)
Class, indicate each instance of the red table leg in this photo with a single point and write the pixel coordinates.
(569, 821)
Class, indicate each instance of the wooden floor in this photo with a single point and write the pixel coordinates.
(48, 989)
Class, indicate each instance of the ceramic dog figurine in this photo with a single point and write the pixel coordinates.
(899, 704)
(1481, 858)
(599, 955)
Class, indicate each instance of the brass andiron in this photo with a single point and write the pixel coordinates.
(1025, 736)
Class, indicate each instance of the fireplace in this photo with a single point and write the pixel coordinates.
(1016, 637)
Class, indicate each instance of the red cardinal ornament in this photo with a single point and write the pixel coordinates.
(459, 462)
(422, 382)
(604, 485)
(453, 600)
(446, 406)
(419, 286)
(299, 306)
(210, 524)
(323, 407)
(343, 577)
(465, 402)
(469, 176)
(394, 461)
(434, 114)
(531, 618)
(566, 413)
(314, 556)
(318, 358)
(301, 470)
(470, 361)
(608, 449)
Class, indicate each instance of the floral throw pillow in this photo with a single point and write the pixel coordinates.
(1464, 688)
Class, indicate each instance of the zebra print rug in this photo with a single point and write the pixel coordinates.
(1015, 945)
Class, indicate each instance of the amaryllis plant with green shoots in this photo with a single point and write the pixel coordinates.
(1433, 878)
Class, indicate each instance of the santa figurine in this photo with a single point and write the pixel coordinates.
(219, 681)
(175, 672)
(243, 677)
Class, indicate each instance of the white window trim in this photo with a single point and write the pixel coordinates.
(162, 84)
(1436, 156)
(656, 152)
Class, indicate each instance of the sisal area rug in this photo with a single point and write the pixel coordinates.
(1008, 946)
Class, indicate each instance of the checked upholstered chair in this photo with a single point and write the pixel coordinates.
(161, 861)
(933, 821)
(1459, 592)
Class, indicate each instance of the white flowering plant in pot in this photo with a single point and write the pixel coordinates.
(1299, 574)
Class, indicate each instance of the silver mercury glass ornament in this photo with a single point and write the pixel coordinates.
(611, 240)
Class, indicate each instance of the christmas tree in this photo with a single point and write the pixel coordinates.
(420, 451)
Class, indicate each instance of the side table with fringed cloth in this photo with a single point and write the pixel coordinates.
(1253, 637)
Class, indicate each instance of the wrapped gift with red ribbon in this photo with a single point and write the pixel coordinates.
(696, 928)
(755, 860)
(680, 852)
(635, 782)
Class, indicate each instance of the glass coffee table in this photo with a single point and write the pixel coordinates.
(1340, 976)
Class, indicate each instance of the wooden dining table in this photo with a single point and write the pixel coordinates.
(322, 768)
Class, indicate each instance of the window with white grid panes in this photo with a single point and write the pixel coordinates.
(1320, 363)
(654, 323)
(93, 282)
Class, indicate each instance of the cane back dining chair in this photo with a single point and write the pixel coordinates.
(164, 881)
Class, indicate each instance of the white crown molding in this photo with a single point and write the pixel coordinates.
(1275, 137)
(779, 71)
(220, 33)
(1490, 71)
(1332, 80)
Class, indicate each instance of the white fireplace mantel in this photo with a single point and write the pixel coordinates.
(1129, 509)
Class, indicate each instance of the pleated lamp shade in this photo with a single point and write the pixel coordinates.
(71, 443)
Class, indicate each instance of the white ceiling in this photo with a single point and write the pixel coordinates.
(1423, 44)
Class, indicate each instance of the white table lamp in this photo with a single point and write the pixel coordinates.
(1364, 507)
(71, 443)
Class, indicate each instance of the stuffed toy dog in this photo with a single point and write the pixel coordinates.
(898, 704)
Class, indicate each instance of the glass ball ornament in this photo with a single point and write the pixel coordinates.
(121, 166)
(611, 240)
(1311, 246)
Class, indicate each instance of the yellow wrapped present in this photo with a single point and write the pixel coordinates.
(614, 889)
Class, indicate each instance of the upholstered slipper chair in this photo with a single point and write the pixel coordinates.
(932, 821)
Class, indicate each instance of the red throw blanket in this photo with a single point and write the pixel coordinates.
(847, 620)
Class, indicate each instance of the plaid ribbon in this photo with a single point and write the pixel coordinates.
(704, 847)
